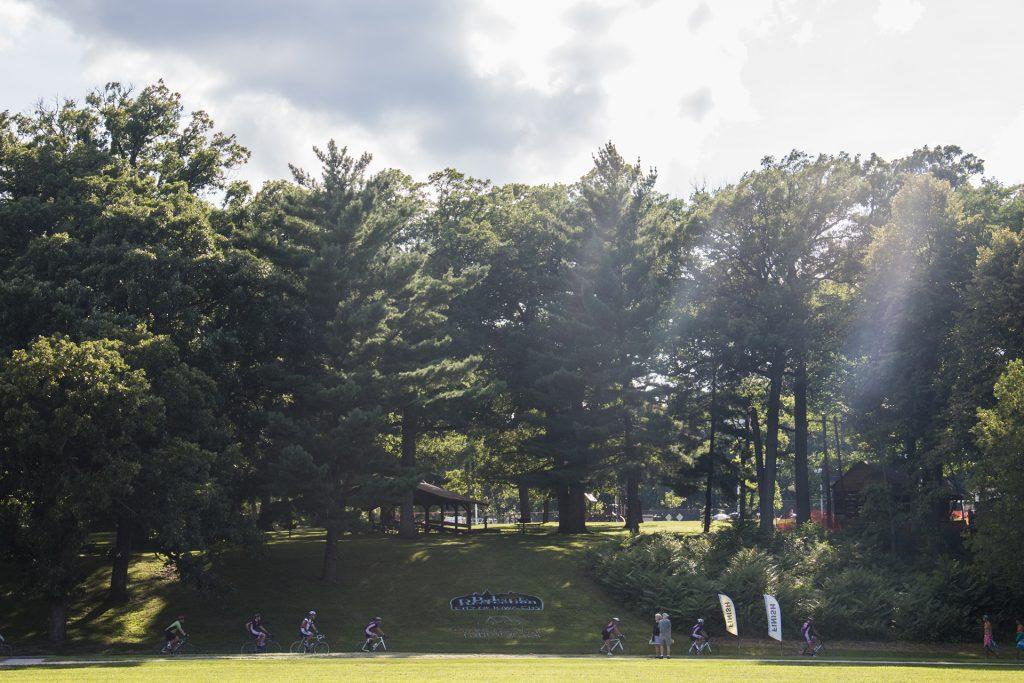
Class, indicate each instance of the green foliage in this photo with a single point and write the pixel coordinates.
(851, 591)
(74, 420)
(999, 541)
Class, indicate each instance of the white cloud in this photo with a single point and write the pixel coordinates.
(15, 18)
(526, 91)
(898, 16)
(805, 33)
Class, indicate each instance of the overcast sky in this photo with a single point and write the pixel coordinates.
(526, 90)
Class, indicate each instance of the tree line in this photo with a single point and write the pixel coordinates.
(189, 360)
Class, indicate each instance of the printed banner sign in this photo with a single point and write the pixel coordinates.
(729, 614)
(771, 607)
(497, 601)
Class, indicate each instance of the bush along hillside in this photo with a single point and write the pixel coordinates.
(852, 591)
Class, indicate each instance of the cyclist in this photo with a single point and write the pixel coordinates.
(811, 638)
(698, 635)
(174, 634)
(372, 632)
(611, 629)
(255, 628)
(307, 629)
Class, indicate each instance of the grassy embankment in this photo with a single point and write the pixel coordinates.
(409, 583)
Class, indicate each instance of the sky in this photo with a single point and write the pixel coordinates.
(527, 90)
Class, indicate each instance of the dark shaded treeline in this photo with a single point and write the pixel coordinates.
(188, 360)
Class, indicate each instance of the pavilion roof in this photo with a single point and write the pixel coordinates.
(430, 494)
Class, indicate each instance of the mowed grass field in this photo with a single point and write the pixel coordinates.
(482, 668)
(409, 583)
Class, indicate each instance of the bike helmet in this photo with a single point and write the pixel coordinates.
(377, 619)
(615, 619)
(312, 612)
(180, 617)
(701, 620)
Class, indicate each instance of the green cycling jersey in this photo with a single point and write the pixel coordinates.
(176, 627)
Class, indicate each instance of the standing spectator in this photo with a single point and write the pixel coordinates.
(656, 636)
(1019, 637)
(665, 627)
(989, 641)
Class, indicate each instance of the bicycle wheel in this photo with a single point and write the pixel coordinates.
(6, 650)
(296, 647)
(248, 647)
(320, 648)
(271, 646)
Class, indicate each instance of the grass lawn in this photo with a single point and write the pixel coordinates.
(482, 668)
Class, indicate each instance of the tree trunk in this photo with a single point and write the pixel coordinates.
(546, 515)
(839, 466)
(58, 622)
(572, 507)
(755, 430)
(634, 510)
(800, 469)
(709, 487)
(329, 573)
(524, 504)
(265, 521)
(122, 558)
(771, 455)
(826, 473)
(744, 459)
(406, 523)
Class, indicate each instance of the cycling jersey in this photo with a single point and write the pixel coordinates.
(697, 631)
(371, 629)
(255, 627)
(307, 626)
(175, 627)
(806, 630)
(607, 631)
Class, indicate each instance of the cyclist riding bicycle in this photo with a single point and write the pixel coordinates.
(697, 634)
(811, 637)
(174, 633)
(255, 628)
(372, 632)
(611, 629)
(307, 629)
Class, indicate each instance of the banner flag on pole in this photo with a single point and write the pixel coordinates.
(729, 614)
(771, 607)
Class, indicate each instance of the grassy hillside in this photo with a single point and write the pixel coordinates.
(409, 583)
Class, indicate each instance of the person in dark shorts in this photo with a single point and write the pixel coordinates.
(174, 633)
(610, 630)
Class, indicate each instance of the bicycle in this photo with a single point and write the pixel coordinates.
(6, 650)
(817, 646)
(379, 644)
(183, 647)
(269, 646)
(319, 646)
(700, 647)
(616, 644)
